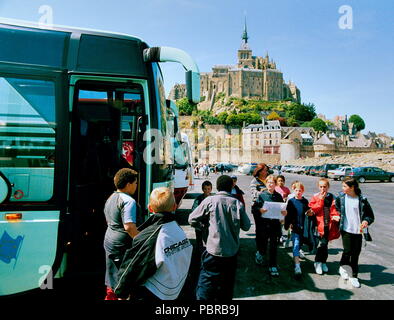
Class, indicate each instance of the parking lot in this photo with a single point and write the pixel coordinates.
(253, 282)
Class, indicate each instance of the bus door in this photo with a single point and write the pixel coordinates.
(107, 129)
(29, 217)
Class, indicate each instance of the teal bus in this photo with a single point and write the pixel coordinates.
(75, 106)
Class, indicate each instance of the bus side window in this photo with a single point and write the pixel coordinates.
(28, 137)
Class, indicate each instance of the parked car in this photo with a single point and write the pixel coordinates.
(339, 173)
(247, 168)
(286, 167)
(291, 169)
(297, 169)
(225, 167)
(307, 170)
(314, 170)
(363, 174)
(329, 166)
(302, 169)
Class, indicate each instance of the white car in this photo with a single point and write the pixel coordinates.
(298, 169)
(293, 169)
(338, 174)
(286, 168)
(247, 168)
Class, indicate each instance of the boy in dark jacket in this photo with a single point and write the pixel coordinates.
(236, 191)
(158, 263)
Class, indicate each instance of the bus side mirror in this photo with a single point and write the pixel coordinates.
(193, 86)
(165, 54)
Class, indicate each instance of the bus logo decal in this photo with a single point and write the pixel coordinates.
(10, 247)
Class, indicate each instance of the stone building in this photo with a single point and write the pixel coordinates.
(252, 76)
(267, 136)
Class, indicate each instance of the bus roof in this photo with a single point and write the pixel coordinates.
(73, 49)
(35, 25)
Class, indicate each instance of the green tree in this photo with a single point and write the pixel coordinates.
(291, 122)
(318, 125)
(222, 117)
(232, 119)
(252, 118)
(211, 120)
(358, 122)
(185, 107)
(301, 112)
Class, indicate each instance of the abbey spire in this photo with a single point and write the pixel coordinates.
(245, 34)
(245, 53)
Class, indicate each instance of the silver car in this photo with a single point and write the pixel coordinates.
(338, 174)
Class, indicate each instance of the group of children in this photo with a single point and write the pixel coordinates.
(347, 215)
(151, 260)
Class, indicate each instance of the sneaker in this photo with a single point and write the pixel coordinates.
(355, 283)
(297, 270)
(324, 267)
(259, 258)
(274, 271)
(318, 268)
(302, 254)
(344, 274)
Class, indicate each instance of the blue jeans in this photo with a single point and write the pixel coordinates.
(296, 239)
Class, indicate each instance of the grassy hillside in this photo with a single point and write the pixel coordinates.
(236, 111)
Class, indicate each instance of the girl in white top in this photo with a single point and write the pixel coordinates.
(356, 216)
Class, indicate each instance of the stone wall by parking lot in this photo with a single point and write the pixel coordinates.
(383, 160)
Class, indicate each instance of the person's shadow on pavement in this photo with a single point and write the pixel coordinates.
(378, 277)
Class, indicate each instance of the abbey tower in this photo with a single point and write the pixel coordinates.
(253, 76)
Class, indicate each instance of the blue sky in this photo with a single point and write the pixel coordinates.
(341, 71)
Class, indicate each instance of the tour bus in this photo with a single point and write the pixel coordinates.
(183, 163)
(75, 107)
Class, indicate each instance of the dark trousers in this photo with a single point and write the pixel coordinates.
(217, 278)
(199, 241)
(267, 230)
(351, 250)
(322, 247)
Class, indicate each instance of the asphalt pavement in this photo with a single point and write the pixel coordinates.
(253, 282)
